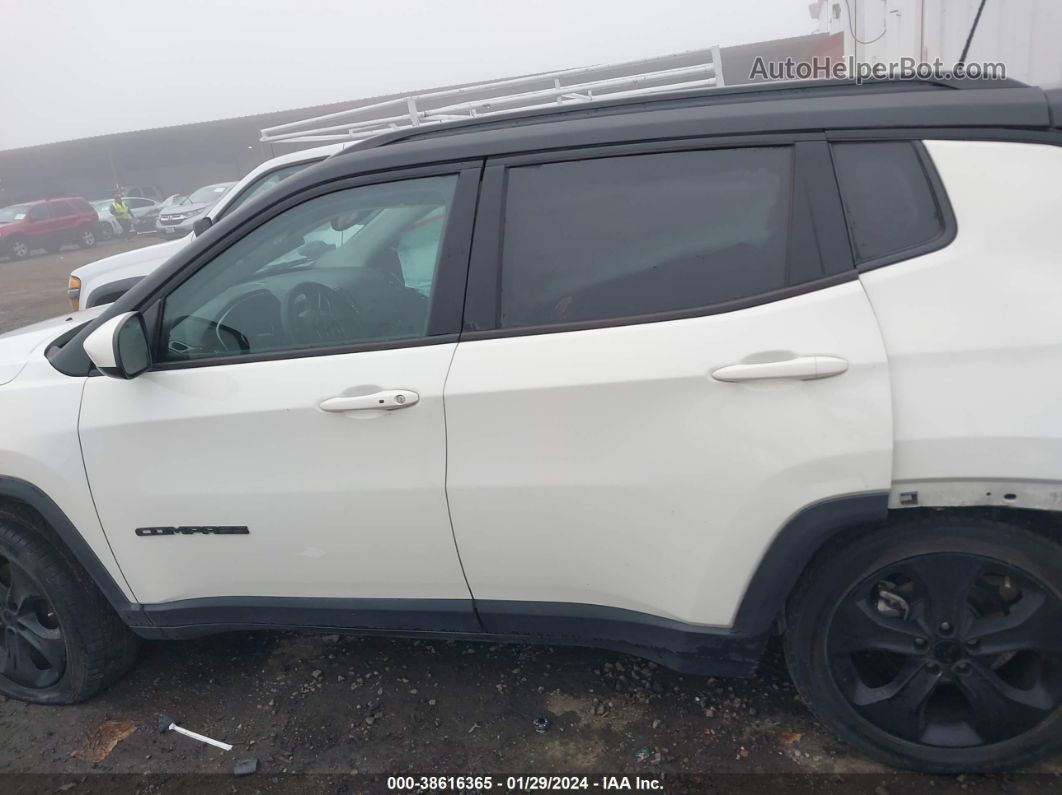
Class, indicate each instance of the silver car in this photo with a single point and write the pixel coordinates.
(177, 220)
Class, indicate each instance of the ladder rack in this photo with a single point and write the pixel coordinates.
(509, 95)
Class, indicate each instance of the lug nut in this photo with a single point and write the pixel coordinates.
(973, 643)
(932, 667)
(945, 627)
(920, 643)
(962, 667)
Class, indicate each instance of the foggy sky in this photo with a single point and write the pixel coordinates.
(75, 68)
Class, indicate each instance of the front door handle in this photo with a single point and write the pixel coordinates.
(388, 400)
(804, 368)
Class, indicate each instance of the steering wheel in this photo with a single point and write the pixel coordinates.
(314, 314)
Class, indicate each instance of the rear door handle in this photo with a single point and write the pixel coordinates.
(804, 368)
(388, 400)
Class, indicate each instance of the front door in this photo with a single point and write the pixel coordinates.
(289, 440)
(677, 359)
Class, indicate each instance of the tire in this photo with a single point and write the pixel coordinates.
(86, 237)
(106, 233)
(18, 248)
(908, 684)
(70, 643)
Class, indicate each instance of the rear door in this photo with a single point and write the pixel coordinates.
(64, 217)
(666, 355)
(42, 223)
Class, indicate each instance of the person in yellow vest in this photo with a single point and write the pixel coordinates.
(121, 212)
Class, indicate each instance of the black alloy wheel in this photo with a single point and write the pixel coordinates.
(933, 642)
(32, 647)
(951, 650)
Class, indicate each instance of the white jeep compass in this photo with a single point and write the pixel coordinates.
(664, 375)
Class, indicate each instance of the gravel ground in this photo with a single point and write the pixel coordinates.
(329, 713)
(35, 288)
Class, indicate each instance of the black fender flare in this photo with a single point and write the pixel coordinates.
(65, 532)
(792, 549)
(117, 288)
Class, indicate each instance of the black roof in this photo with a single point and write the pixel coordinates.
(760, 108)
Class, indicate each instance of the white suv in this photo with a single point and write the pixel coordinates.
(667, 376)
(106, 280)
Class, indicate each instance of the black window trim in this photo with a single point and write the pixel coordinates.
(950, 227)
(482, 301)
(446, 311)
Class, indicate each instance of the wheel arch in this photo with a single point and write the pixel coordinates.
(109, 292)
(815, 530)
(793, 549)
(24, 501)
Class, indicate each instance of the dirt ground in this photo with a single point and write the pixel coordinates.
(35, 288)
(329, 713)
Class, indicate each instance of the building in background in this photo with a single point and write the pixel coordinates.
(181, 158)
(1022, 33)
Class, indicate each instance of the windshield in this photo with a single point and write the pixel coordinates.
(14, 213)
(209, 194)
(102, 205)
(264, 183)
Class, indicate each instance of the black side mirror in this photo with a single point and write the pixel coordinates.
(203, 224)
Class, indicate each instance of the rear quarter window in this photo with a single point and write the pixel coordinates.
(61, 209)
(889, 201)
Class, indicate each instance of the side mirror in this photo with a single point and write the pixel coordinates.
(203, 224)
(119, 347)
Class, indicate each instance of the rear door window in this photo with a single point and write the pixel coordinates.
(889, 201)
(38, 212)
(639, 235)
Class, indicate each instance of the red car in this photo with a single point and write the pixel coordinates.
(48, 225)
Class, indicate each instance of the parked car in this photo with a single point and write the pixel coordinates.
(107, 279)
(146, 191)
(145, 212)
(717, 366)
(172, 199)
(177, 220)
(109, 226)
(47, 225)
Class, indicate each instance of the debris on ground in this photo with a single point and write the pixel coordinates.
(541, 724)
(103, 739)
(168, 724)
(245, 767)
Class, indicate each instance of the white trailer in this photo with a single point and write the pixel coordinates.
(1022, 34)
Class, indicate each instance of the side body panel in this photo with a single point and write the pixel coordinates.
(607, 467)
(39, 450)
(974, 334)
(336, 505)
